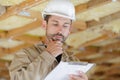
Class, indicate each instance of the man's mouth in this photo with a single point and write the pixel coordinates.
(58, 38)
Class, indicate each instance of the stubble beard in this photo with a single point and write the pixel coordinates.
(53, 37)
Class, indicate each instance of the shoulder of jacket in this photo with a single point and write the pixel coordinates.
(33, 51)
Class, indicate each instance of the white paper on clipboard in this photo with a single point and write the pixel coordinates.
(63, 69)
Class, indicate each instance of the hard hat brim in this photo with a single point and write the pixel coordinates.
(56, 14)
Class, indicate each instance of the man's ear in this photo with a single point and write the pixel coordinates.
(44, 23)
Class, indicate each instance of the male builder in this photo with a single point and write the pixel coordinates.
(34, 63)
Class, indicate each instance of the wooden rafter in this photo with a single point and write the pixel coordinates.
(80, 25)
(32, 14)
(2, 52)
(94, 3)
(21, 30)
(22, 6)
(102, 38)
(3, 64)
(30, 3)
(89, 50)
(77, 24)
(110, 47)
(93, 41)
(92, 51)
(108, 34)
(98, 56)
(29, 39)
(90, 4)
(14, 49)
(81, 7)
(2, 34)
(104, 20)
(102, 59)
(88, 43)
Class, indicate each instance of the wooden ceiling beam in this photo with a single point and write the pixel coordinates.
(104, 20)
(94, 3)
(29, 39)
(88, 51)
(36, 16)
(23, 29)
(102, 59)
(22, 6)
(89, 4)
(31, 14)
(88, 43)
(113, 53)
(2, 52)
(107, 34)
(4, 69)
(3, 64)
(4, 74)
(14, 49)
(92, 49)
(110, 47)
(10, 33)
(78, 8)
(84, 55)
(96, 54)
(30, 3)
(2, 34)
(81, 7)
(102, 38)
(80, 25)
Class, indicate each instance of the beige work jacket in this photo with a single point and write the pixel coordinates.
(34, 63)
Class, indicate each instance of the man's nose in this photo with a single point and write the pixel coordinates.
(60, 29)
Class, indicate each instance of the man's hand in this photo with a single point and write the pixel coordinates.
(54, 47)
(80, 76)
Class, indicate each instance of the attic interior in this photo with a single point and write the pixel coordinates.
(95, 37)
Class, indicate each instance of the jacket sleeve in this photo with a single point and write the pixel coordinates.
(22, 68)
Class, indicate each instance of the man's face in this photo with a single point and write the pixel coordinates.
(58, 28)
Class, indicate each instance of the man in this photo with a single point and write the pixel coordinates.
(36, 62)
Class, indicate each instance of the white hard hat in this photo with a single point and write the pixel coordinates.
(63, 8)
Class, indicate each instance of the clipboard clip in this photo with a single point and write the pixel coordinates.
(78, 63)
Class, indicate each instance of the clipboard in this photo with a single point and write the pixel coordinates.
(63, 69)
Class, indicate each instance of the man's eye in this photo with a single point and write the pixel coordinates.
(55, 24)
